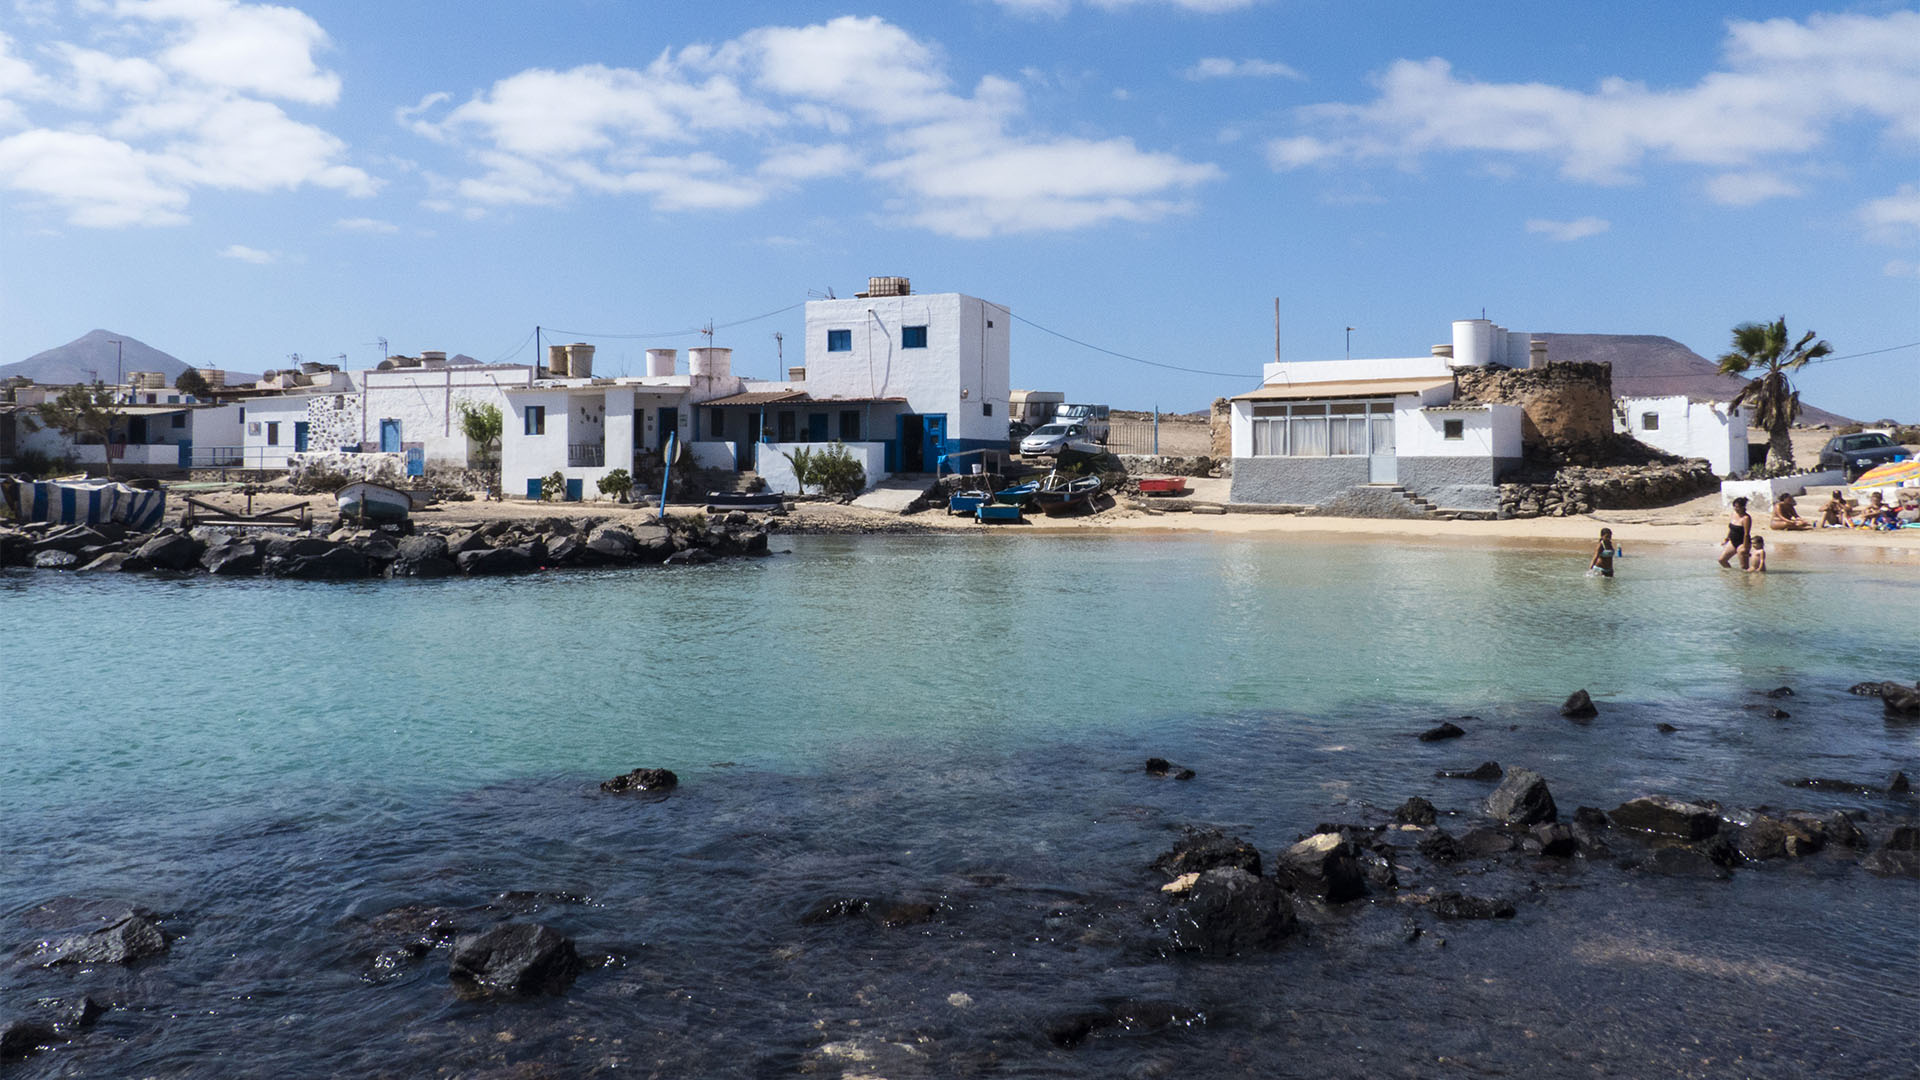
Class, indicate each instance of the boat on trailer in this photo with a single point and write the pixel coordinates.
(966, 502)
(989, 512)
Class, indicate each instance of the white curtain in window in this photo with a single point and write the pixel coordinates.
(1307, 436)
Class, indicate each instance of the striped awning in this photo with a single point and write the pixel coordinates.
(1353, 388)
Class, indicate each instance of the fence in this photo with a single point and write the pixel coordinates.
(238, 457)
(1128, 436)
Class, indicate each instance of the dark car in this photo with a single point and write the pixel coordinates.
(1855, 454)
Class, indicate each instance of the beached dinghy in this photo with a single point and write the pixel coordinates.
(1163, 485)
(364, 500)
(744, 500)
(1017, 495)
(990, 512)
(1059, 496)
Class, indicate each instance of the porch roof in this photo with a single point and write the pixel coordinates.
(797, 397)
(1349, 389)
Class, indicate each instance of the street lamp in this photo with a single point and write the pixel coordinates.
(119, 376)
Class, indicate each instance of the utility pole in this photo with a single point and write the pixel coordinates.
(1350, 342)
(1276, 329)
(119, 375)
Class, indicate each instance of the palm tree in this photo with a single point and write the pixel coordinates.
(1764, 347)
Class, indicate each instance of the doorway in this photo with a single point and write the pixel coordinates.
(922, 440)
(389, 436)
(669, 424)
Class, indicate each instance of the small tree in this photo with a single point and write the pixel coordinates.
(192, 382)
(1774, 401)
(553, 487)
(832, 469)
(616, 483)
(83, 414)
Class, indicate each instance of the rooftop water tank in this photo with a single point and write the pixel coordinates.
(557, 361)
(1472, 342)
(661, 361)
(147, 380)
(889, 286)
(216, 377)
(711, 362)
(580, 360)
(1537, 353)
(434, 357)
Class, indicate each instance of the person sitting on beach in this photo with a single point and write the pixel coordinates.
(1603, 555)
(1878, 514)
(1909, 511)
(1838, 513)
(1786, 516)
(1739, 535)
(1757, 560)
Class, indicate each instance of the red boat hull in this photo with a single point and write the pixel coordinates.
(1167, 485)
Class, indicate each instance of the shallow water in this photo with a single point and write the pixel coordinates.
(958, 720)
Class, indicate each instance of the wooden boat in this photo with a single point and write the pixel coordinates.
(990, 511)
(744, 500)
(1163, 485)
(1058, 497)
(966, 502)
(364, 500)
(1017, 495)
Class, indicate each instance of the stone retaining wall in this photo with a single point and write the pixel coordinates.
(1576, 490)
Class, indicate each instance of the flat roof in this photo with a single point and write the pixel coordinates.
(1352, 388)
(794, 397)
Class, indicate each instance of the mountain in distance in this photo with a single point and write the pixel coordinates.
(92, 356)
(1647, 365)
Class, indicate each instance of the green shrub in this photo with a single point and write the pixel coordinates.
(617, 484)
(553, 487)
(832, 469)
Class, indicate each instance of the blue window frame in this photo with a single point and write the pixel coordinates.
(913, 337)
(839, 341)
(536, 420)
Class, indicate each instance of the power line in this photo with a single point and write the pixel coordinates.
(1241, 375)
(677, 333)
(505, 356)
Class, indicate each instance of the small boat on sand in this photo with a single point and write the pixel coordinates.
(1060, 496)
(1163, 485)
(990, 512)
(966, 502)
(1017, 495)
(364, 500)
(744, 500)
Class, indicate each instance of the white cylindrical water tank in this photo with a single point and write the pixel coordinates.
(580, 360)
(1537, 353)
(1444, 352)
(661, 361)
(712, 362)
(557, 361)
(434, 358)
(1498, 354)
(1472, 342)
(1518, 349)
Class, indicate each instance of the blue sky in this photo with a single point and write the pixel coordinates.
(237, 182)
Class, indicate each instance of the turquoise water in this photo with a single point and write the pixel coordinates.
(270, 761)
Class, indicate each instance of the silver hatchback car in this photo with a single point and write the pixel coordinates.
(1050, 440)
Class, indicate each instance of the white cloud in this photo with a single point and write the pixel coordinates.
(1894, 218)
(188, 101)
(1901, 268)
(1220, 67)
(372, 226)
(246, 254)
(1749, 188)
(1783, 89)
(1566, 232)
(1057, 8)
(730, 126)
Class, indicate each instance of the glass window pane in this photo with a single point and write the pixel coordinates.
(1260, 448)
(1348, 408)
(1310, 410)
(1382, 435)
(1307, 437)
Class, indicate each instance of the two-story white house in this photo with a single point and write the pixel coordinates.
(1318, 433)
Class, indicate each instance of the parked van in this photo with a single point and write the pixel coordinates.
(1091, 417)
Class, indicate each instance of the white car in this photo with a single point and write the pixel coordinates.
(1050, 440)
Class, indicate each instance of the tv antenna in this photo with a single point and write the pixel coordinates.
(382, 342)
(818, 295)
(780, 347)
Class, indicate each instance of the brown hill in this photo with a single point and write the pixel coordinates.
(1647, 365)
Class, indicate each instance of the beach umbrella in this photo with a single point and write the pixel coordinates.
(1889, 475)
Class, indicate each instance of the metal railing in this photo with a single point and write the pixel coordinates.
(1127, 436)
(586, 455)
(238, 457)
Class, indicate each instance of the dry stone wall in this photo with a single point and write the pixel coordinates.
(1575, 490)
(1568, 408)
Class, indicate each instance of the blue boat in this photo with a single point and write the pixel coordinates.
(989, 511)
(966, 502)
(1018, 495)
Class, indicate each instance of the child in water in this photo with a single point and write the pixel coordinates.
(1757, 560)
(1603, 555)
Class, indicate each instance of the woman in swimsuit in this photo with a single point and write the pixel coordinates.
(1837, 513)
(1739, 532)
(1786, 515)
(1603, 555)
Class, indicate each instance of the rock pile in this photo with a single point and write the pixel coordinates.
(500, 547)
(1577, 490)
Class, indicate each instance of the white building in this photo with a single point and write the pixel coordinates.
(1316, 432)
(150, 440)
(1688, 427)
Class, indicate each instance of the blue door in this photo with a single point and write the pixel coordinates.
(186, 453)
(576, 490)
(817, 427)
(300, 436)
(389, 436)
(936, 438)
(416, 461)
(533, 487)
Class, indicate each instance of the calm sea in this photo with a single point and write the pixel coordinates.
(272, 766)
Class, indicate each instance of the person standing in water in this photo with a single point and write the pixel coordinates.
(1739, 539)
(1757, 560)
(1603, 555)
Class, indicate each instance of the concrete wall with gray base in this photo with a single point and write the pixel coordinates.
(1300, 481)
(1456, 483)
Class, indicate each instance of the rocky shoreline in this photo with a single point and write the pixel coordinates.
(344, 553)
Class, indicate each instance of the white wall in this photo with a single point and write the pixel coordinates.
(1288, 373)
(218, 425)
(964, 366)
(426, 402)
(1702, 429)
(774, 468)
(713, 455)
(1485, 431)
(286, 411)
